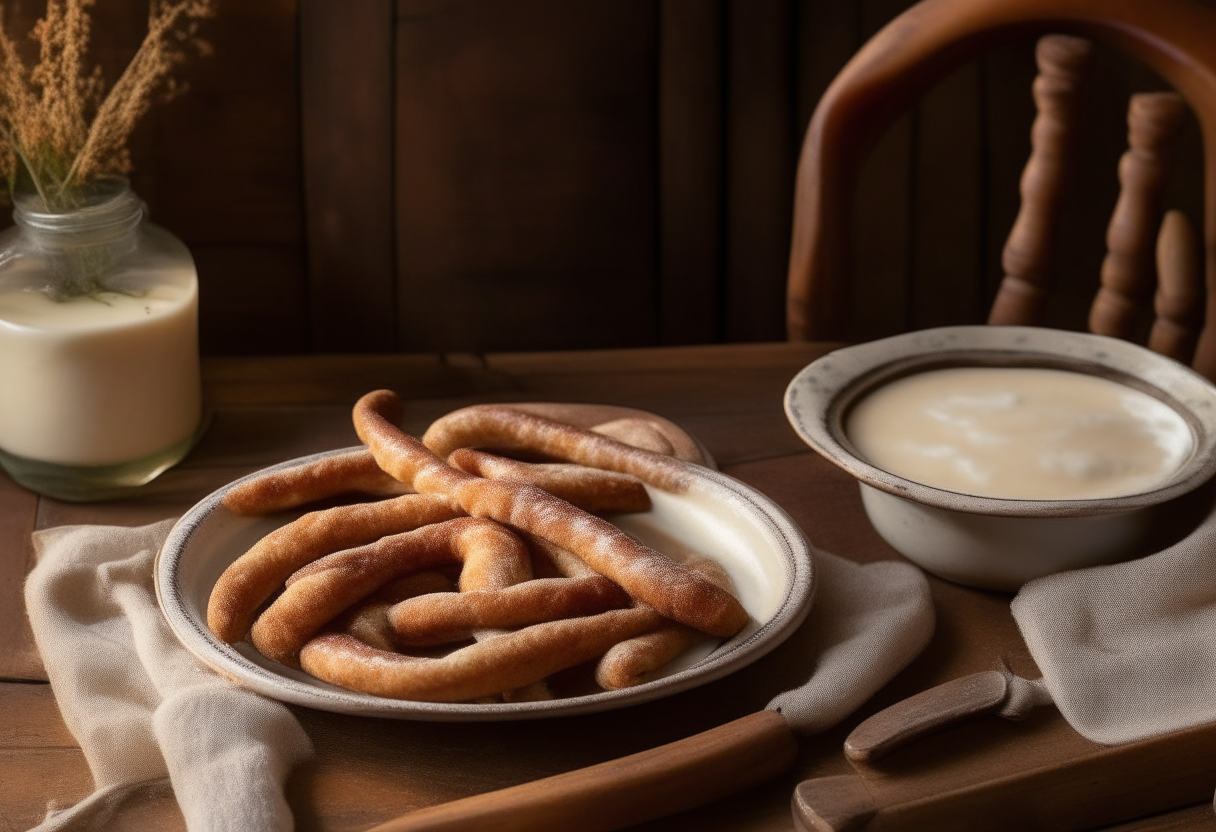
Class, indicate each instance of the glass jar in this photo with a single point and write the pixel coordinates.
(100, 389)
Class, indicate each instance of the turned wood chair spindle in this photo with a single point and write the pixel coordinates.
(1154, 121)
(1178, 304)
(1063, 61)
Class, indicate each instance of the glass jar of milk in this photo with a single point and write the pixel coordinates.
(99, 371)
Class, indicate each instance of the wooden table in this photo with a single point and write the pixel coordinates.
(367, 770)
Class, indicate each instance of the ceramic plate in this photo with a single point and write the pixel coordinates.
(765, 554)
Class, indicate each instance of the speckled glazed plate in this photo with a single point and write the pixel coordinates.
(765, 554)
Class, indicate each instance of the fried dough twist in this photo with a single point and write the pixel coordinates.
(633, 660)
(444, 618)
(509, 429)
(506, 662)
(254, 576)
(493, 557)
(331, 476)
(672, 590)
(587, 488)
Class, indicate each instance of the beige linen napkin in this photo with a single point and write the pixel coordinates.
(1128, 651)
(867, 623)
(141, 707)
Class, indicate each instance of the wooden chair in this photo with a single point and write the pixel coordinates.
(1176, 38)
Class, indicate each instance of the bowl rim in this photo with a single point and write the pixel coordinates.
(819, 396)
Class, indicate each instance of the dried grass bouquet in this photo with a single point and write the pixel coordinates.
(59, 129)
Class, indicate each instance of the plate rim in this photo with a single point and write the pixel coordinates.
(725, 659)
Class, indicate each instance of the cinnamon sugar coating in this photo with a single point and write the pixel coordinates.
(505, 428)
(638, 433)
(587, 488)
(632, 661)
(441, 618)
(507, 662)
(674, 591)
(368, 619)
(254, 576)
(493, 558)
(349, 473)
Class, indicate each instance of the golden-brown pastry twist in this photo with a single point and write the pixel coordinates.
(674, 591)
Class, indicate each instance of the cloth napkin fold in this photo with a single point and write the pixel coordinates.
(867, 624)
(1128, 651)
(142, 708)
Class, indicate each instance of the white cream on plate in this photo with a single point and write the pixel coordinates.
(99, 380)
(1020, 433)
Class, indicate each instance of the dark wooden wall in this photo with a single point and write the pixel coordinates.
(372, 175)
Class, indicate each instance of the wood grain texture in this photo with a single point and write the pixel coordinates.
(612, 795)
(525, 188)
(39, 760)
(577, 165)
(1074, 794)
(19, 658)
(826, 36)
(691, 170)
(948, 197)
(220, 167)
(369, 771)
(880, 293)
(252, 300)
(1199, 818)
(346, 103)
(760, 166)
(924, 713)
(33, 718)
(840, 803)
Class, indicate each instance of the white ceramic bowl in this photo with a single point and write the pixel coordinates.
(989, 542)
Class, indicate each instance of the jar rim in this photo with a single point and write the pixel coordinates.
(109, 203)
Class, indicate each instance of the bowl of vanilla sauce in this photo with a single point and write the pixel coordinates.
(994, 455)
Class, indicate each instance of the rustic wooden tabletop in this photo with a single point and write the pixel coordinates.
(988, 774)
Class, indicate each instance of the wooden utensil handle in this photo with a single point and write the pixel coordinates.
(926, 712)
(626, 791)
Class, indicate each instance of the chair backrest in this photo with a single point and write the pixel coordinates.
(1176, 38)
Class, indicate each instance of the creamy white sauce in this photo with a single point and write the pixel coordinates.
(1020, 433)
(96, 381)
